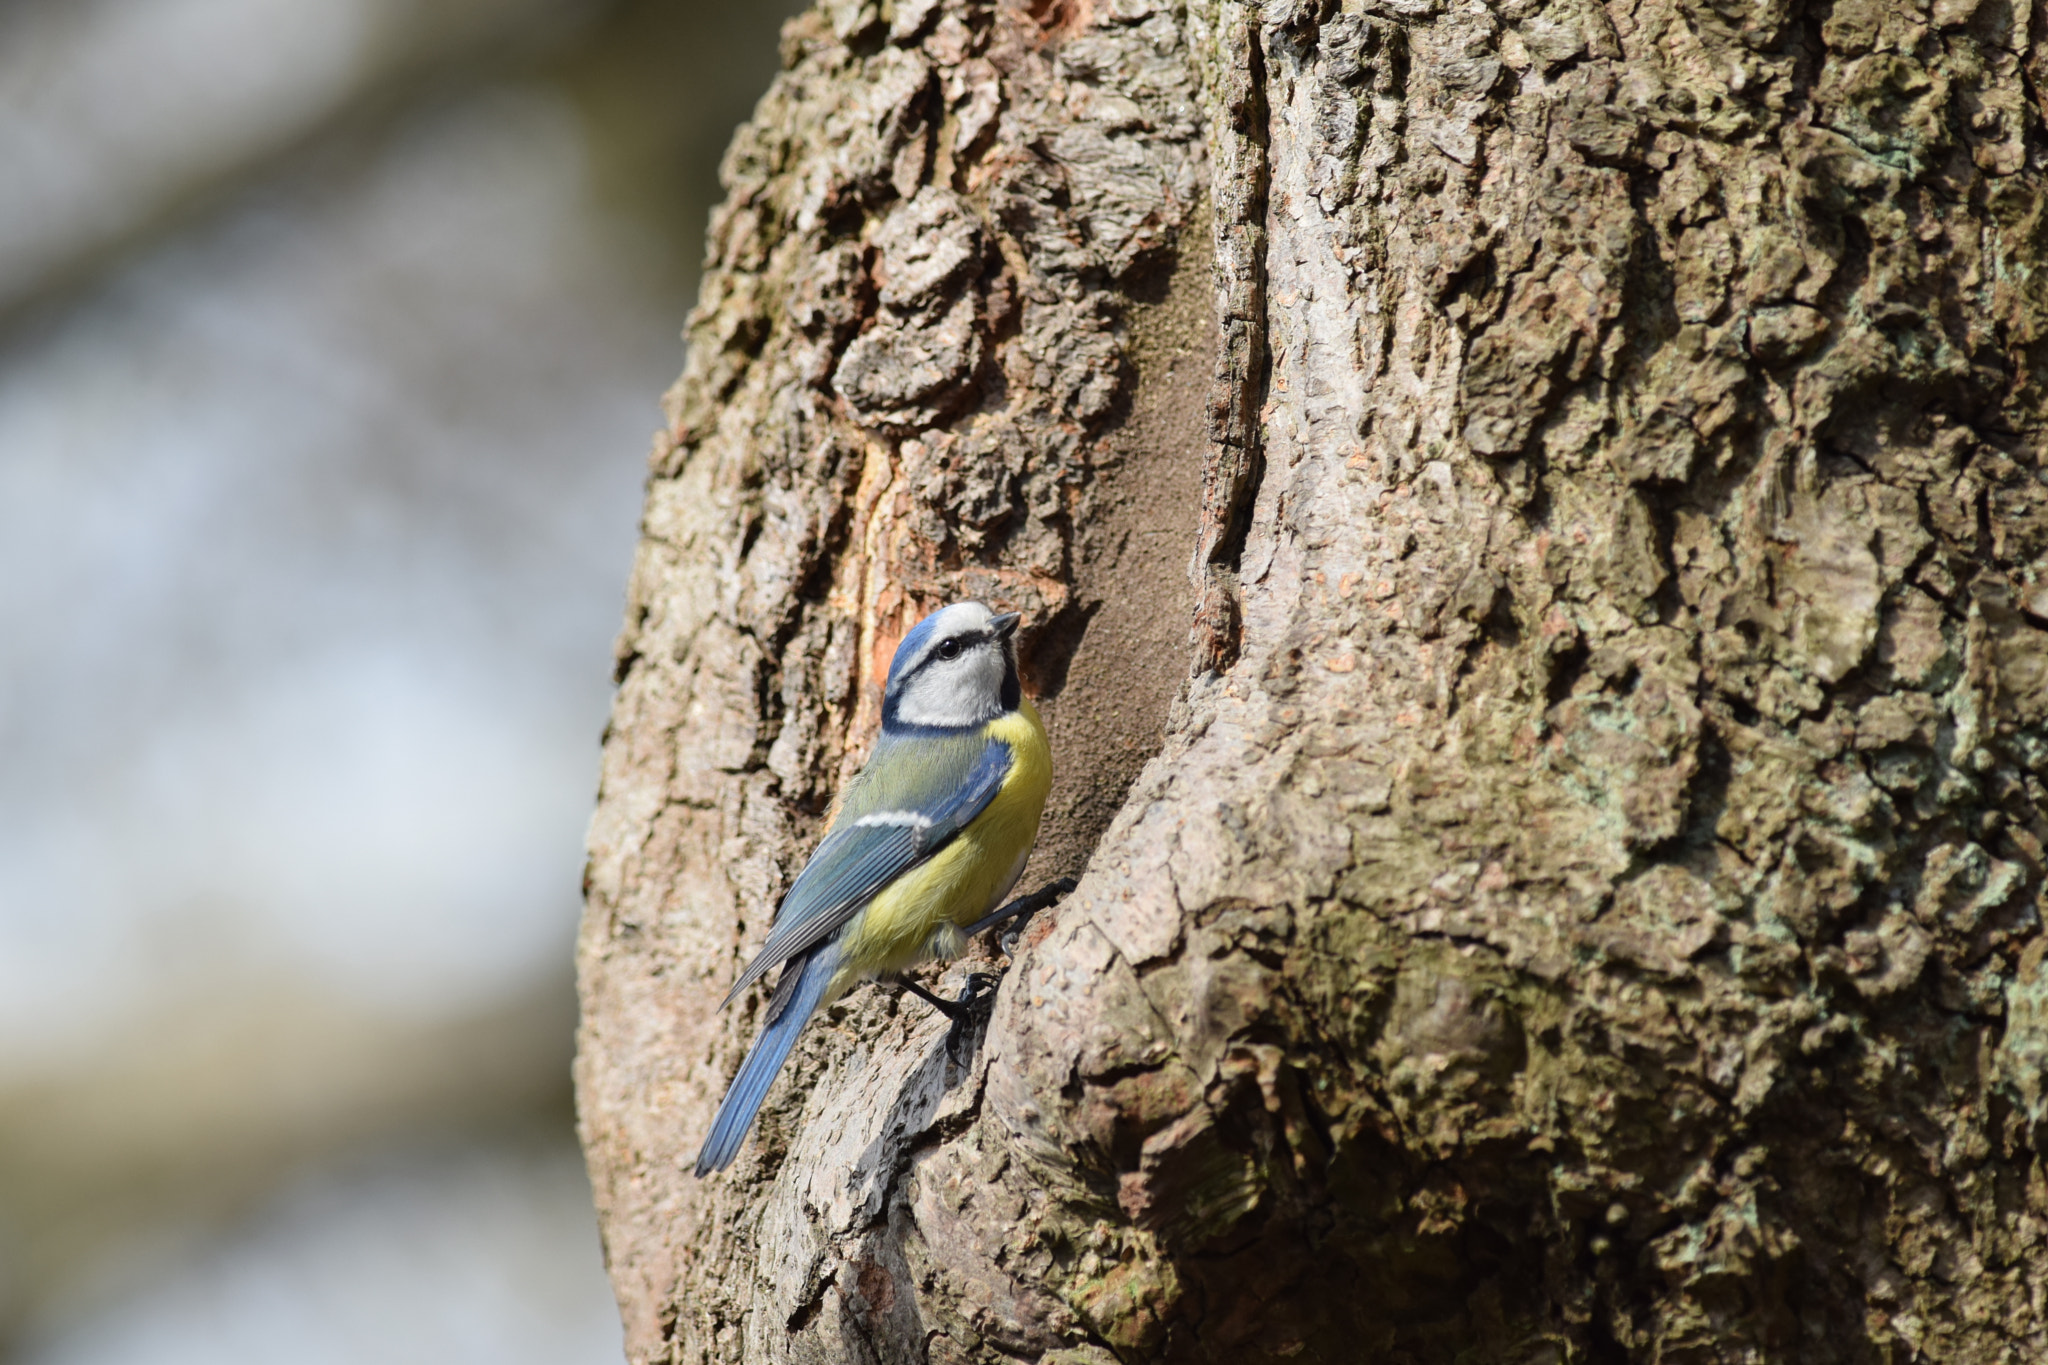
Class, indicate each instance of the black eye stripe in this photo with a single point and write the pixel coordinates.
(934, 655)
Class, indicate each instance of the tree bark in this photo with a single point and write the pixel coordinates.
(1563, 872)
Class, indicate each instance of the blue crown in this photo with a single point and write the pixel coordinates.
(912, 644)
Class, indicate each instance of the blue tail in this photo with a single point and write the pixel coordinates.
(765, 1058)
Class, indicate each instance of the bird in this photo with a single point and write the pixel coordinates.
(928, 839)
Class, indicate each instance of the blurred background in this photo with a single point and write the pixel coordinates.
(331, 334)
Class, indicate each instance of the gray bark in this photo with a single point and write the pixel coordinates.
(1562, 875)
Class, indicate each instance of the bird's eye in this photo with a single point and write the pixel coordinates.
(949, 649)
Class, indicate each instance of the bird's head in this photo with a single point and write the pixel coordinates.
(956, 669)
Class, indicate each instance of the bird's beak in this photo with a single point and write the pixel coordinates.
(1005, 625)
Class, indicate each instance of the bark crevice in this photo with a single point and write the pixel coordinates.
(1230, 475)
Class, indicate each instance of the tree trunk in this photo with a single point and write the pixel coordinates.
(1585, 901)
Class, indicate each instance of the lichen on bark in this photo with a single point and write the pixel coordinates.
(1587, 904)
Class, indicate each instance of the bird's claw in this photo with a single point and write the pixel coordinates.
(976, 998)
(1006, 941)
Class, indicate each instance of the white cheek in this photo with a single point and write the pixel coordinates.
(928, 703)
(961, 695)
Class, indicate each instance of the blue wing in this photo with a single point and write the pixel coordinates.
(934, 787)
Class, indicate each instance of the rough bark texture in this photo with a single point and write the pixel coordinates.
(1587, 905)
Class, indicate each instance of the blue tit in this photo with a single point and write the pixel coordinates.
(928, 839)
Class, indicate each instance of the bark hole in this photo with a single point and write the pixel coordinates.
(1126, 650)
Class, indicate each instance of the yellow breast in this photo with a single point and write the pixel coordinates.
(921, 913)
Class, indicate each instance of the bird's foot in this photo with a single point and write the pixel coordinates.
(972, 1006)
(1018, 913)
(965, 1010)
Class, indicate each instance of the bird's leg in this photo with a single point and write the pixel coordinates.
(1022, 909)
(956, 1010)
(973, 998)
